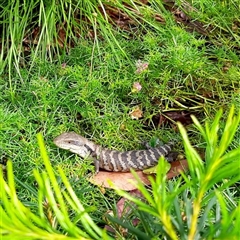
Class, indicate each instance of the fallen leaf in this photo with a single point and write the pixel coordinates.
(118, 180)
(136, 113)
(126, 181)
(124, 206)
(124, 209)
(176, 168)
(153, 169)
(121, 205)
(172, 116)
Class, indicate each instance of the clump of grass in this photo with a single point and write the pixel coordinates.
(196, 206)
(52, 217)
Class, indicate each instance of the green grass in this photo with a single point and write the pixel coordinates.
(203, 206)
(92, 95)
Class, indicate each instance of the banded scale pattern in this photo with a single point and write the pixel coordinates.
(116, 161)
(112, 160)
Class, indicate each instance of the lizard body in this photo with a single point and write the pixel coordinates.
(111, 160)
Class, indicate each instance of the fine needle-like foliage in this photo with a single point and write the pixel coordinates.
(49, 29)
(52, 219)
(201, 205)
(196, 206)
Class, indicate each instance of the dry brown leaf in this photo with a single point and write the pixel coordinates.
(124, 208)
(126, 180)
(136, 113)
(173, 116)
(121, 180)
(177, 167)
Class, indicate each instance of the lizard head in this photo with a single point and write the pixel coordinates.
(75, 143)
